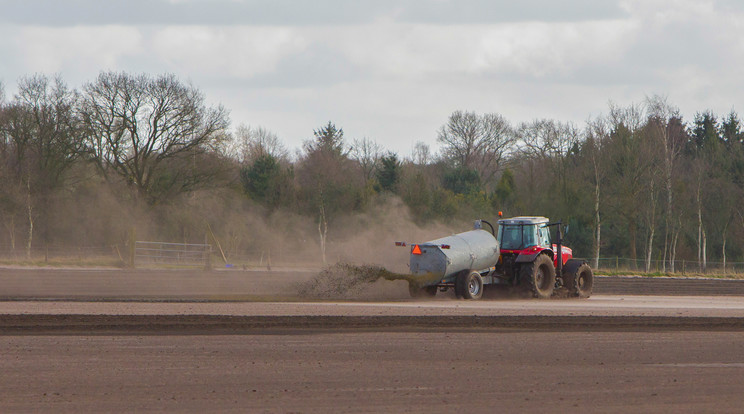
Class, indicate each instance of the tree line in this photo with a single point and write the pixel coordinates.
(79, 166)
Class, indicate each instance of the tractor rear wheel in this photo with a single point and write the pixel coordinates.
(538, 277)
(580, 282)
(472, 287)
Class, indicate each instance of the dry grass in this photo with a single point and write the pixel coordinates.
(709, 275)
(64, 261)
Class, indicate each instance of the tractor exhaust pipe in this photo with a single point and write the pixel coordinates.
(559, 268)
(559, 250)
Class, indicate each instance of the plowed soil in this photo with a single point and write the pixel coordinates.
(249, 341)
(376, 372)
(280, 284)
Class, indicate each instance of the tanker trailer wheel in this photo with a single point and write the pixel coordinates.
(421, 292)
(472, 287)
(469, 285)
(538, 277)
(580, 282)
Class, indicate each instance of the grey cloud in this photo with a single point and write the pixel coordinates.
(688, 44)
(489, 11)
(298, 12)
(316, 66)
(731, 5)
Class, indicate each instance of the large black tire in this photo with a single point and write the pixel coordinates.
(580, 282)
(421, 292)
(538, 277)
(472, 287)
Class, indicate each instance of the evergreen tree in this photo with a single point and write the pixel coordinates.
(461, 180)
(328, 139)
(259, 177)
(389, 173)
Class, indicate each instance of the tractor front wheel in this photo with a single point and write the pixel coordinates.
(580, 282)
(538, 277)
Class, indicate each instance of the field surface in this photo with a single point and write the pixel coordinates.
(248, 341)
(261, 285)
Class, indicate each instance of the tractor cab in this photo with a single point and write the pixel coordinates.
(520, 233)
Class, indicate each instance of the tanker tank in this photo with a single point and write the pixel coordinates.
(439, 261)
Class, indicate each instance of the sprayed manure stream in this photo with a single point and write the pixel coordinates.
(348, 281)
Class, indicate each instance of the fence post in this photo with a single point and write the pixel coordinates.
(617, 263)
(683, 267)
(208, 257)
(132, 247)
(207, 253)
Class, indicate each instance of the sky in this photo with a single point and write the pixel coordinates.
(392, 71)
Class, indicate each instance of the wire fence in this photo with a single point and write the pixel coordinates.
(268, 258)
(621, 264)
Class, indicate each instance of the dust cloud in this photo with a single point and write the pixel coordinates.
(251, 237)
(361, 259)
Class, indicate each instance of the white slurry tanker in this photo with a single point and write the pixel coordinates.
(517, 253)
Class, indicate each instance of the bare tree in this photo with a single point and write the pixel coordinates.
(597, 133)
(701, 236)
(256, 142)
(322, 228)
(651, 224)
(477, 142)
(367, 153)
(138, 125)
(628, 165)
(545, 138)
(42, 131)
(547, 141)
(328, 179)
(668, 129)
(633, 117)
(421, 153)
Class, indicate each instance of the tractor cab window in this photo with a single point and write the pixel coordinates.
(510, 237)
(528, 236)
(517, 236)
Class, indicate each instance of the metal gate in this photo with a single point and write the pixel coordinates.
(185, 254)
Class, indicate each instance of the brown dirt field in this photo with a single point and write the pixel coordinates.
(280, 284)
(235, 341)
(380, 372)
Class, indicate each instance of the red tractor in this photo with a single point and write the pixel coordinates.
(529, 259)
(519, 253)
